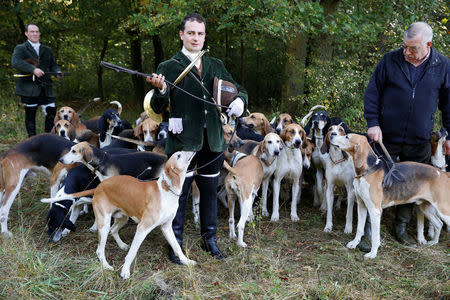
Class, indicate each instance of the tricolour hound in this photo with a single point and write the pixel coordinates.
(40, 152)
(150, 204)
(378, 186)
(338, 172)
(289, 165)
(69, 114)
(282, 121)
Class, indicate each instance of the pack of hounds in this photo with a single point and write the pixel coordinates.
(123, 173)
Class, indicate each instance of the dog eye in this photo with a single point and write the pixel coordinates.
(73, 151)
(252, 117)
(66, 125)
(269, 142)
(292, 131)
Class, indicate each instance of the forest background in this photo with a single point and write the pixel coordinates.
(289, 55)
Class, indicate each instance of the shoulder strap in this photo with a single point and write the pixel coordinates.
(195, 77)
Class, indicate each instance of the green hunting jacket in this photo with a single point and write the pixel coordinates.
(194, 113)
(25, 85)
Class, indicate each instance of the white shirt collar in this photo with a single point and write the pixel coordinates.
(35, 46)
(191, 56)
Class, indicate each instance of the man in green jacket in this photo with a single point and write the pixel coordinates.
(195, 125)
(33, 59)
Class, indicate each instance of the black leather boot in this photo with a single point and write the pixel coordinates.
(403, 214)
(208, 214)
(178, 221)
(365, 245)
(30, 120)
(49, 118)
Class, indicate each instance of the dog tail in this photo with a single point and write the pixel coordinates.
(69, 196)
(229, 168)
(119, 106)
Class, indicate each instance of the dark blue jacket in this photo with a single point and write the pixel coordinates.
(405, 112)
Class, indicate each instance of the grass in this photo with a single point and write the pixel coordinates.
(284, 260)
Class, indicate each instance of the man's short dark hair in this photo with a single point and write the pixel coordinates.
(28, 25)
(192, 17)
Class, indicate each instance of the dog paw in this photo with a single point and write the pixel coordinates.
(242, 244)
(93, 228)
(125, 274)
(232, 235)
(190, 262)
(431, 243)
(265, 213)
(328, 228)
(323, 208)
(352, 244)
(124, 247)
(107, 266)
(370, 255)
(7, 234)
(422, 241)
(295, 218)
(275, 218)
(65, 232)
(348, 230)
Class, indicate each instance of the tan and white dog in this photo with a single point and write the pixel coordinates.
(258, 123)
(289, 165)
(242, 182)
(377, 187)
(149, 203)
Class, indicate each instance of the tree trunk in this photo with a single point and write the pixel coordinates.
(324, 42)
(100, 69)
(294, 74)
(136, 64)
(159, 51)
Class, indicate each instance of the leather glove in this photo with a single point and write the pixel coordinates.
(236, 108)
(176, 125)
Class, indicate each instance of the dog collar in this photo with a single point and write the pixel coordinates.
(166, 186)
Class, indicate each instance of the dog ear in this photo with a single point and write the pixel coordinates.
(53, 131)
(138, 130)
(75, 118)
(283, 134)
(57, 117)
(266, 126)
(72, 133)
(326, 144)
(69, 225)
(86, 152)
(358, 157)
(102, 127)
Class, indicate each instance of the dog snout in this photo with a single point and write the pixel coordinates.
(278, 130)
(297, 143)
(276, 152)
(66, 117)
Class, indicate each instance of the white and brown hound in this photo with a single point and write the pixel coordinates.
(242, 182)
(289, 165)
(378, 186)
(268, 152)
(150, 204)
(338, 172)
(258, 123)
(40, 152)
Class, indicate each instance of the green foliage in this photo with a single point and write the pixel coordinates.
(249, 36)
